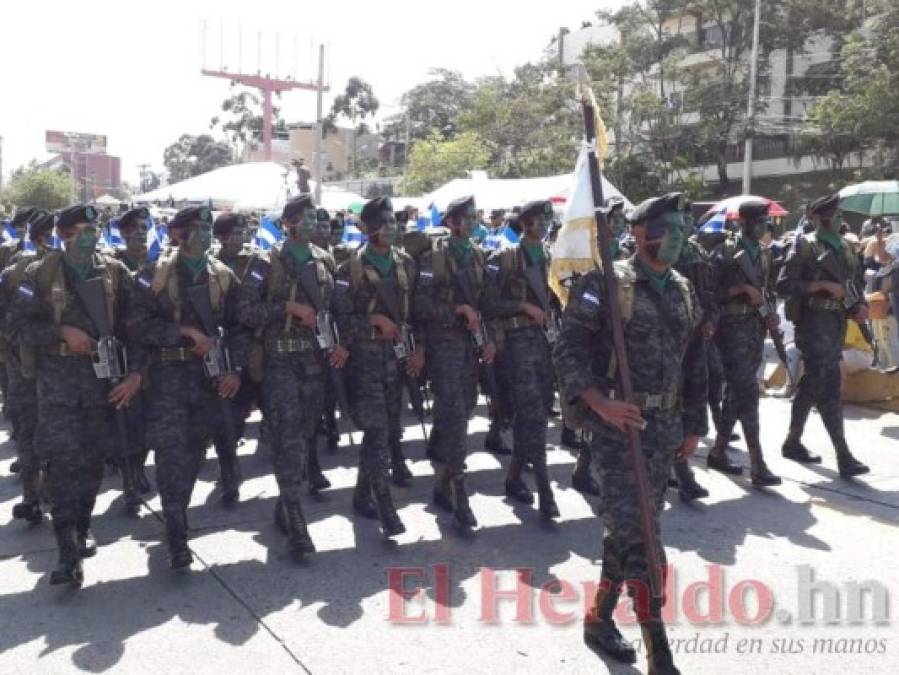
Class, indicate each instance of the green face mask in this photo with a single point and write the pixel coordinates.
(83, 245)
(671, 226)
(200, 239)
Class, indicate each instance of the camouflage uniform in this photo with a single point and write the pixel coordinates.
(740, 340)
(74, 419)
(706, 242)
(694, 265)
(820, 323)
(374, 374)
(21, 405)
(452, 363)
(294, 371)
(7, 252)
(523, 366)
(183, 409)
(670, 397)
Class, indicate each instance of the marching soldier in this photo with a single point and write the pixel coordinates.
(287, 294)
(694, 264)
(372, 302)
(447, 313)
(822, 287)
(185, 313)
(742, 277)
(517, 302)
(22, 407)
(53, 314)
(660, 315)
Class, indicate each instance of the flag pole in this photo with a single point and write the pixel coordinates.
(604, 241)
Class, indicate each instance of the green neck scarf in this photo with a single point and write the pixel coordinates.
(461, 249)
(658, 280)
(753, 248)
(81, 270)
(193, 265)
(383, 262)
(300, 252)
(535, 252)
(832, 239)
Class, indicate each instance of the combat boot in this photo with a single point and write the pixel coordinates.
(546, 501)
(582, 479)
(362, 502)
(848, 465)
(516, 488)
(30, 507)
(317, 479)
(687, 487)
(760, 473)
(795, 450)
(391, 525)
(442, 492)
(230, 479)
(494, 442)
(600, 630)
(659, 660)
(69, 569)
(462, 513)
(719, 461)
(176, 534)
(298, 539)
(399, 472)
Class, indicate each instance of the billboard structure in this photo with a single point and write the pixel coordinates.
(73, 141)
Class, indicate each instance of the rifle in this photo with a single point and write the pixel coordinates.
(764, 310)
(217, 363)
(403, 349)
(326, 335)
(827, 263)
(479, 336)
(537, 284)
(110, 362)
(604, 238)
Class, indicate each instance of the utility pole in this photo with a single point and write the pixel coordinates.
(319, 124)
(143, 170)
(750, 111)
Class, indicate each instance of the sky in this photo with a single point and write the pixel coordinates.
(131, 70)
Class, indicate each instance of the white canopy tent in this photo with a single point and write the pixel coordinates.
(254, 186)
(506, 193)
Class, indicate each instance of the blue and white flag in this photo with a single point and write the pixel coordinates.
(268, 233)
(501, 238)
(112, 236)
(352, 236)
(157, 239)
(9, 233)
(435, 216)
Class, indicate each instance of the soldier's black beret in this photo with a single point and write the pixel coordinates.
(459, 207)
(825, 204)
(80, 213)
(752, 209)
(41, 224)
(374, 207)
(185, 217)
(402, 217)
(322, 215)
(296, 206)
(23, 216)
(227, 222)
(497, 213)
(535, 207)
(140, 213)
(654, 207)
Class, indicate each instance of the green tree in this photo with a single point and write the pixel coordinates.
(41, 188)
(240, 119)
(432, 106)
(192, 155)
(356, 104)
(435, 161)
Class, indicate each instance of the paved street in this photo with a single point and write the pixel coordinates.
(246, 607)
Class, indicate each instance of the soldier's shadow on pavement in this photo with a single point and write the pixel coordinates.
(763, 514)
